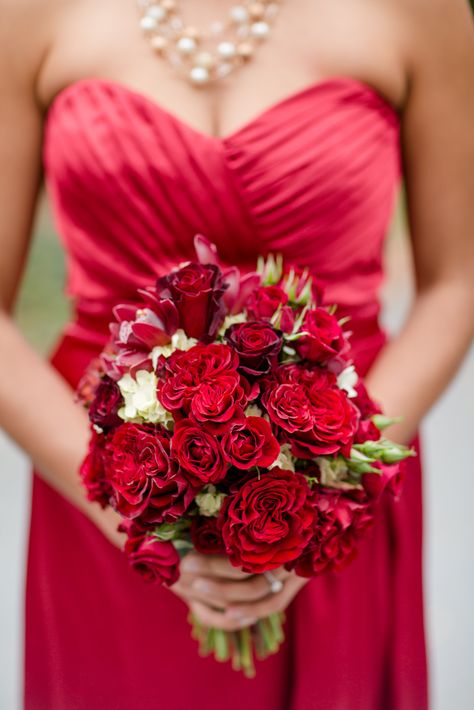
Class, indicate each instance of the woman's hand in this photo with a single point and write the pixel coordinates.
(223, 597)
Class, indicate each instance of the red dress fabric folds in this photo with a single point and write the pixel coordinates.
(314, 178)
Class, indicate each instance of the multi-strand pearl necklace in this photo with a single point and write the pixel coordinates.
(203, 56)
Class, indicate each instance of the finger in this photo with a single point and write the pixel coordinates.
(224, 592)
(217, 620)
(211, 566)
(270, 605)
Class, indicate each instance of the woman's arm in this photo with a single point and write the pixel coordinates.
(36, 405)
(438, 146)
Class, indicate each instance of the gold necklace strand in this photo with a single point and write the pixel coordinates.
(203, 56)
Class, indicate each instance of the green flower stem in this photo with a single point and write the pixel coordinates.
(221, 645)
(240, 647)
(246, 653)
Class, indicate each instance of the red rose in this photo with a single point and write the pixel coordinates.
(249, 443)
(335, 421)
(264, 301)
(268, 522)
(289, 407)
(206, 536)
(155, 560)
(216, 404)
(183, 373)
(340, 522)
(325, 338)
(257, 345)
(198, 452)
(315, 416)
(146, 483)
(197, 291)
(105, 405)
(93, 473)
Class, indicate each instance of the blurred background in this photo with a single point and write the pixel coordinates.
(449, 483)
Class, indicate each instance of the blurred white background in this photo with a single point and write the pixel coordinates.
(448, 435)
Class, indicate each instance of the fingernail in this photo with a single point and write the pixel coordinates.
(200, 585)
(246, 622)
(189, 565)
(240, 616)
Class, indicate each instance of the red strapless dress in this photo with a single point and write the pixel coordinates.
(314, 177)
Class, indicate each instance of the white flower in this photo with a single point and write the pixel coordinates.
(179, 341)
(231, 320)
(209, 501)
(253, 411)
(141, 402)
(285, 460)
(347, 380)
(334, 474)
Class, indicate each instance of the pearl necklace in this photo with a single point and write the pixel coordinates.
(202, 56)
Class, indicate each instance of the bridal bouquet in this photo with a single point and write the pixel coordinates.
(227, 417)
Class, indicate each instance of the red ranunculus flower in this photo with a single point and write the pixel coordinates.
(264, 301)
(364, 403)
(249, 443)
(105, 405)
(93, 472)
(155, 560)
(146, 483)
(197, 291)
(325, 338)
(339, 524)
(390, 479)
(206, 536)
(216, 404)
(183, 373)
(257, 345)
(268, 521)
(198, 452)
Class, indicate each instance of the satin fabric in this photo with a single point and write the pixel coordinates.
(314, 178)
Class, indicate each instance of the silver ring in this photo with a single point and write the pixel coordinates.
(276, 585)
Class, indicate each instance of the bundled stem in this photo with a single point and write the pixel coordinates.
(241, 647)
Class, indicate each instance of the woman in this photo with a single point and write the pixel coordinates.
(300, 152)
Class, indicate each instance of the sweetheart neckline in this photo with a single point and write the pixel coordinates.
(315, 87)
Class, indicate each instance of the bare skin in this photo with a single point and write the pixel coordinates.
(418, 53)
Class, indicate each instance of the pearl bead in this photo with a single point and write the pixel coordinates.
(217, 28)
(257, 9)
(159, 43)
(192, 32)
(245, 50)
(226, 49)
(156, 12)
(199, 75)
(186, 45)
(223, 70)
(148, 24)
(205, 59)
(239, 13)
(260, 30)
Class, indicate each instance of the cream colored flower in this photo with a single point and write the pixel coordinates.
(179, 341)
(347, 380)
(231, 320)
(253, 411)
(285, 460)
(334, 473)
(209, 501)
(141, 402)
